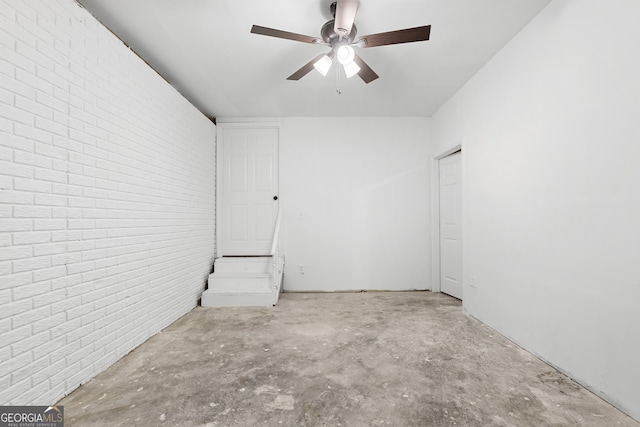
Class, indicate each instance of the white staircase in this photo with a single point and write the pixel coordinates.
(244, 282)
(247, 281)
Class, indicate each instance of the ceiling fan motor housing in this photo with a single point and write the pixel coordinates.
(330, 37)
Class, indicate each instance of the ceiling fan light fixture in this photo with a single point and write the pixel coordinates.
(323, 64)
(351, 69)
(345, 54)
(340, 34)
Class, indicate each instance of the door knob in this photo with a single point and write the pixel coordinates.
(275, 197)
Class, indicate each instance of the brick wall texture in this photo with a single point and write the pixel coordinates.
(107, 200)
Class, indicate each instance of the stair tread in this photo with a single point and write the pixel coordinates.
(237, 292)
(240, 274)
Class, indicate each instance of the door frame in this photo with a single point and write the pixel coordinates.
(435, 214)
(220, 128)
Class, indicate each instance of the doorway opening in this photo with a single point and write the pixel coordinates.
(447, 224)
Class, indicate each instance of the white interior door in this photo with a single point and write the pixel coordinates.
(450, 225)
(249, 190)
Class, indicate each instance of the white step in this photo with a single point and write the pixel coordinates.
(240, 282)
(210, 299)
(239, 290)
(243, 265)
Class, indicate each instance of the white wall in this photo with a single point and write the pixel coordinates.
(552, 199)
(107, 200)
(355, 199)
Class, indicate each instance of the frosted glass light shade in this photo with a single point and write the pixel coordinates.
(345, 54)
(351, 69)
(323, 64)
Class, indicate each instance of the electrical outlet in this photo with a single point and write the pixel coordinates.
(301, 269)
(473, 281)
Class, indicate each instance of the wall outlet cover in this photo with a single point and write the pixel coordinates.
(473, 281)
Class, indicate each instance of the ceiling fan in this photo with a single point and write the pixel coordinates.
(340, 34)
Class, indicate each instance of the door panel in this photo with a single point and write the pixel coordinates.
(264, 223)
(450, 254)
(449, 193)
(238, 170)
(264, 173)
(249, 182)
(238, 223)
(450, 226)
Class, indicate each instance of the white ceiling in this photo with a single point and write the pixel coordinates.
(205, 50)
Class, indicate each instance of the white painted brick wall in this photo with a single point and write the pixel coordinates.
(107, 201)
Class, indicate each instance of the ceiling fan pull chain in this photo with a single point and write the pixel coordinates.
(338, 74)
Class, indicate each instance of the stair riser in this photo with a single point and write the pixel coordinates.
(224, 265)
(218, 284)
(236, 300)
(243, 268)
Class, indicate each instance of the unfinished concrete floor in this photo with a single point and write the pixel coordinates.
(362, 359)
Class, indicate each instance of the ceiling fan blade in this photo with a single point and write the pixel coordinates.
(345, 15)
(365, 73)
(304, 70)
(257, 29)
(407, 35)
